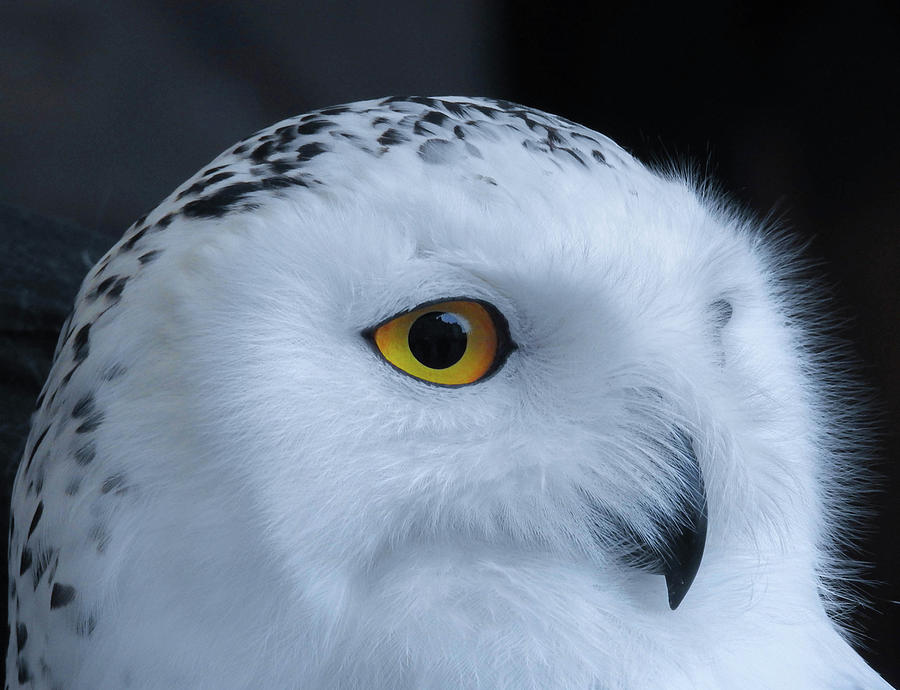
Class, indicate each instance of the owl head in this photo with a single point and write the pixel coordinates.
(456, 393)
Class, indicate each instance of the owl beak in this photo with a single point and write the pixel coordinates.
(680, 557)
(677, 548)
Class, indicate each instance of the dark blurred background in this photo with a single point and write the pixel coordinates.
(106, 106)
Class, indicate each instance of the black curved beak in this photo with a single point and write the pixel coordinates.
(680, 558)
(679, 550)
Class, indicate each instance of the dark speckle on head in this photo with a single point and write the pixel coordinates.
(24, 675)
(90, 424)
(113, 482)
(61, 595)
(488, 111)
(585, 137)
(81, 344)
(128, 245)
(220, 177)
(262, 152)
(84, 406)
(313, 126)
(85, 454)
(336, 110)
(213, 170)
(100, 537)
(195, 188)
(219, 203)
(25, 561)
(722, 312)
(280, 167)
(357, 141)
(455, 109)
(36, 518)
(21, 636)
(572, 153)
(425, 129)
(438, 151)
(282, 182)
(147, 257)
(391, 137)
(115, 292)
(66, 379)
(34, 448)
(310, 151)
(102, 287)
(103, 264)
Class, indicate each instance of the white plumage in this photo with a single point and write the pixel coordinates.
(227, 486)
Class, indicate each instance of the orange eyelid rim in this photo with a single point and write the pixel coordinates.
(488, 343)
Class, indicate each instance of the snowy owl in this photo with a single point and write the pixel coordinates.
(436, 393)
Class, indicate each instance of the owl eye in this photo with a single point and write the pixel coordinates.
(450, 343)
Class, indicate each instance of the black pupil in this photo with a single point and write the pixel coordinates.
(438, 339)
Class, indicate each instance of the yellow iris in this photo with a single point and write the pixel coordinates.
(449, 343)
